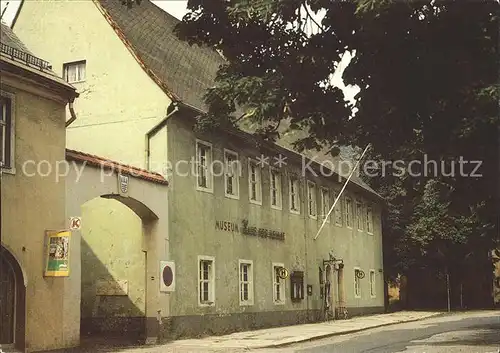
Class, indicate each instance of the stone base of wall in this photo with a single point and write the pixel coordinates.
(131, 328)
(212, 324)
(171, 328)
(367, 310)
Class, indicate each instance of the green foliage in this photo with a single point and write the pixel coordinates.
(428, 74)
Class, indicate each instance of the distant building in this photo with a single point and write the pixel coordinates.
(240, 242)
(36, 312)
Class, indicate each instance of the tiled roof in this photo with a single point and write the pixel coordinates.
(118, 167)
(184, 71)
(8, 37)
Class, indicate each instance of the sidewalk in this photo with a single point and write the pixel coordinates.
(283, 336)
(260, 339)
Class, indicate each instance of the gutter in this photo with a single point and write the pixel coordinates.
(155, 129)
(72, 112)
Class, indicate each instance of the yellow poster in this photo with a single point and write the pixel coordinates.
(57, 254)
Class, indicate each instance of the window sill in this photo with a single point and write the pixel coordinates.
(370, 233)
(338, 225)
(246, 303)
(73, 82)
(232, 197)
(206, 304)
(279, 303)
(357, 296)
(11, 171)
(313, 217)
(295, 212)
(278, 208)
(255, 202)
(202, 189)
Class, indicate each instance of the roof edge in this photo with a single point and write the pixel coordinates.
(101, 162)
(14, 20)
(134, 53)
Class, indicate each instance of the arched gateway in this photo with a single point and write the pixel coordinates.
(118, 271)
(12, 301)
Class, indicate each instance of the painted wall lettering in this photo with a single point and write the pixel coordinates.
(247, 230)
(227, 226)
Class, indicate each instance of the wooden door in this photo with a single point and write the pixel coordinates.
(7, 302)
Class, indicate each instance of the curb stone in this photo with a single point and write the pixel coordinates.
(326, 335)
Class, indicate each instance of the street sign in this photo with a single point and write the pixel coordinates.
(75, 223)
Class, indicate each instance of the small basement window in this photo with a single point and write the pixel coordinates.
(297, 285)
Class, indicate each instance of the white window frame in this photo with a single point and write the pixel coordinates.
(209, 172)
(373, 288)
(235, 170)
(313, 200)
(281, 282)
(211, 280)
(348, 213)
(258, 182)
(77, 64)
(12, 98)
(359, 216)
(249, 281)
(338, 209)
(323, 201)
(369, 219)
(279, 188)
(357, 281)
(294, 183)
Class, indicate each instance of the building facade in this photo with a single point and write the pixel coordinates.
(37, 312)
(236, 222)
(240, 244)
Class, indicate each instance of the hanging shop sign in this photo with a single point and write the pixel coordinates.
(57, 253)
(245, 229)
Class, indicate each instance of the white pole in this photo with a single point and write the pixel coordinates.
(341, 191)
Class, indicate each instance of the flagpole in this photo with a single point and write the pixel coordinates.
(341, 191)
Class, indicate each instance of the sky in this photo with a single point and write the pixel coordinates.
(178, 8)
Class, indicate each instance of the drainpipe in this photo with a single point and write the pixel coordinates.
(155, 129)
(72, 112)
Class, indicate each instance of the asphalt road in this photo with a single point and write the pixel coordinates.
(454, 333)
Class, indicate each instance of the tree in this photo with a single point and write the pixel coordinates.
(429, 88)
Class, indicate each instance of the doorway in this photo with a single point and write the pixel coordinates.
(7, 301)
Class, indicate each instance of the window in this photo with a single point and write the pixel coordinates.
(75, 71)
(372, 283)
(338, 211)
(369, 220)
(325, 204)
(297, 285)
(311, 197)
(359, 215)
(231, 174)
(275, 189)
(206, 285)
(255, 183)
(357, 282)
(203, 166)
(294, 195)
(348, 212)
(278, 284)
(246, 282)
(7, 131)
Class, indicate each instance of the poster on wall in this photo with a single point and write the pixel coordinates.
(57, 253)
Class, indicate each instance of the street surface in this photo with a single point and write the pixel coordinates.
(471, 332)
(454, 333)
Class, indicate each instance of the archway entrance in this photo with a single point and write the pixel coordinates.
(114, 271)
(12, 301)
